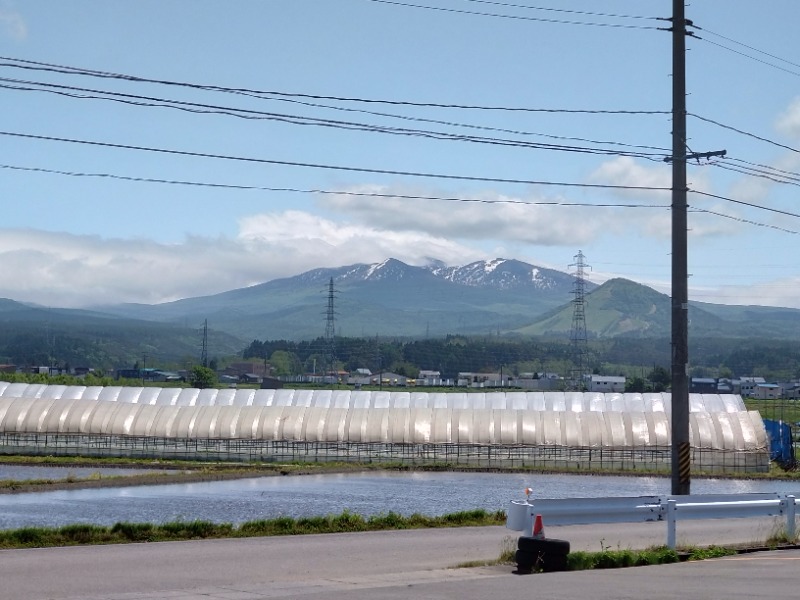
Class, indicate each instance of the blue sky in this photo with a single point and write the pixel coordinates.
(68, 240)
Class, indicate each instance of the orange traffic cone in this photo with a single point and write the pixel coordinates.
(538, 528)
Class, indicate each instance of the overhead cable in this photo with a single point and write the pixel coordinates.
(513, 17)
(754, 49)
(741, 131)
(194, 107)
(327, 167)
(746, 221)
(566, 10)
(41, 66)
(754, 172)
(758, 60)
(328, 192)
(743, 203)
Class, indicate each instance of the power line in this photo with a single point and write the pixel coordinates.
(754, 49)
(388, 195)
(325, 192)
(513, 17)
(193, 107)
(743, 203)
(754, 172)
(564, 10)
(747, 221)
(758, 60)
(42, 66)
(742, 132)
(328, 167)
(770, 168)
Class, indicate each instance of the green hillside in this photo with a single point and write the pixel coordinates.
(621, 307)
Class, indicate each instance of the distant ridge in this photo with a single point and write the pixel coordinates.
(394, 299)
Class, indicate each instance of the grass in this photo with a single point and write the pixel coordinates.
(121, 533)
(623, 558)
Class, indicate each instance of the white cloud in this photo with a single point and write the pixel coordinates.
(474, 216)
(626, 171)
(318, 242)
(788, 122)
(66, 270)
(12, 23)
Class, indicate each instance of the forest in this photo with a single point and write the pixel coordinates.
(631, 357)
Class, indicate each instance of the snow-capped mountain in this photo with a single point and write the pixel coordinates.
(388, 298)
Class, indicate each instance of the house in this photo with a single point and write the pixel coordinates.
(725, 386)
(703, 385)
(767, 391)
(428, 377)
(237, 369)
(165, 376)
(606, 383)
(477, 380)
(390, 379)
(790, 390)
(360, 377)
(747, 385)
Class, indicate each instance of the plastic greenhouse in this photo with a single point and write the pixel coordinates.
(582, 430)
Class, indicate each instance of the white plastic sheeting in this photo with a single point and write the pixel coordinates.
(742, 431)
(577, 402)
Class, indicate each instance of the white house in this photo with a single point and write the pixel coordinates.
(606, 383)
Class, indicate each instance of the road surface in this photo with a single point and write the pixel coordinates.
(413, 564)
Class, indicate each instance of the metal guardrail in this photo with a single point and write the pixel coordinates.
(671, 509)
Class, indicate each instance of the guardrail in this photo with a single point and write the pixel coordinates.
(671, 509)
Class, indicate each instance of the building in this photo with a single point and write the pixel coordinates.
(703, 385)
(767, 391)
(606, 383)
(747, 386)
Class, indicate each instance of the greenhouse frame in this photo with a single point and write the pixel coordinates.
(494, 429)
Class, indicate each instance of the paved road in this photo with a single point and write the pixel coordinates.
(386, 565)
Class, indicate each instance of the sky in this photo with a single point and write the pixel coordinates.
(164, 149)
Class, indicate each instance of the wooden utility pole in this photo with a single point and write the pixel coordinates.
(681, 453)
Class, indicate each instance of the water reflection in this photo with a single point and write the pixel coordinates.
(362, 493)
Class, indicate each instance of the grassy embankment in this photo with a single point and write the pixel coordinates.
(82, 534)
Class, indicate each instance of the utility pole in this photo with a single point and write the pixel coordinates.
(681, 452)
(204, 347)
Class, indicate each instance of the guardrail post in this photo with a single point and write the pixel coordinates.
(790, 520)
(672, 514)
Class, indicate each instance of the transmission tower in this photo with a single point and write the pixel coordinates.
(577, 336)
(204, 347)
(330, 330)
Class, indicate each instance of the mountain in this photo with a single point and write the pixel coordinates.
(31, 335)
(621, 307)
(389, 299)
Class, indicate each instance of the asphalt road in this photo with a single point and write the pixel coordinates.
(415, 564)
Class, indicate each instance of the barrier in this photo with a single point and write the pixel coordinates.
(671, 509)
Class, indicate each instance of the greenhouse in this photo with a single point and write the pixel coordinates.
(581, 430)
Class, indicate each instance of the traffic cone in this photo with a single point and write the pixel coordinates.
(538, 528)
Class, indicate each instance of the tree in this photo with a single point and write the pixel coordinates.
(635, 384)
(203, 377)
(285, 363)
(660, 378)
